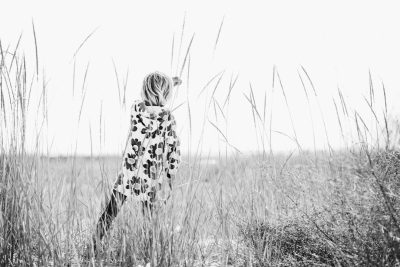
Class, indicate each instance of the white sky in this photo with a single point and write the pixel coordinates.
(338, 42)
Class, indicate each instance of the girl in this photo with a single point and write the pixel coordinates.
(151, 155)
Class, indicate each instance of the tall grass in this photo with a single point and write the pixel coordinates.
(320, 208)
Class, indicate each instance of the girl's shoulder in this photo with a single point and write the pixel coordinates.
(152, 112)
(138, 106)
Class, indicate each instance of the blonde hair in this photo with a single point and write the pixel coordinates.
(156, 89)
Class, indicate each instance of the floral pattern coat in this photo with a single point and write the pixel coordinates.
(151, 155)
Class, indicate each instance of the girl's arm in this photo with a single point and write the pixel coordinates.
(127, 149)
(173, 154)
(173, 143)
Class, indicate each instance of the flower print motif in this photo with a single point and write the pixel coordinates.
(134, 123)
(120, 178)
(153, 171)
(156, 169)
(137, 122)
(163, 116)
(152, 116)
(156, 151)
(163, 121)
(146, 131)
(138, 185)
(139, 119)
(154, 134)
(146, 166)
(171, 149)
(130, 161)
(141, 151)
(168, 128)
(173, 157)
(136, 145)
(141, 106)
(144, 185)
(157, 130)
(152, 194)
(150, 169)
(171, 132)
(135, 185)
(160, 151)
(152, 150)
(132, 183)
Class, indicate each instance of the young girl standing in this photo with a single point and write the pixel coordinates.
(151, 155)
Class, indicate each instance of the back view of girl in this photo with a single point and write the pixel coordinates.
(151, 155)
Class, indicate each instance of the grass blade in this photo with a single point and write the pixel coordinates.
(84, 90)
(117, 79)
(83, 42)
(219, 33)
(180, 43)
(15, 52)
(36, 51)
(186, 55)
(231, 86)
(210, 81)
(172, 50)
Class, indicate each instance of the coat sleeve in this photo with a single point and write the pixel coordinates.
(123, 175)
(173, 152)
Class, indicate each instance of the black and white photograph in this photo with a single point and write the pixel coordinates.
(200, 133)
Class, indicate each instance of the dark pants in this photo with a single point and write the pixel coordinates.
(114, 205)
(109, 214)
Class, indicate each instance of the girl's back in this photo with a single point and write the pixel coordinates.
(151, 153)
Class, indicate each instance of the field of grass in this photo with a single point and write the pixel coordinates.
(255, 211)
(308, 208)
